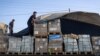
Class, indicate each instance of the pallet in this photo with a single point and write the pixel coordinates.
(86, 53)
(57, 53)
(46, 54)
(11, 53)
(43, 55)
(2, 52)
(27, 53)
(20, 53)
(71, 53)
(38, 53)
(39, 36)
(54, 33)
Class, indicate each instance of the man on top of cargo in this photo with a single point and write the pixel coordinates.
(30, 23)
(11, 25)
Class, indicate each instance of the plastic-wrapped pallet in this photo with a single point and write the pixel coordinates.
(27, 44)
(3, 43)
(96, 44)
(40, 29)
(70, 44)
(1, 32)
(41, 45)
(55, 43)
(14, 44)
(85, 43)
(54, 26)
(4, 38)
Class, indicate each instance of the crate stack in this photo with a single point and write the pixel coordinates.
(40, 29)
(70, 43)
(54, 36)
(14, 44)
(27, 44)
(85, 43)
(41, 37)
(55, 43)
(54, 26)
(96, 44)
(41, 45)
(3, 44)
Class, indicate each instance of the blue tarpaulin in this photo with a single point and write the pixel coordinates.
(55, 36)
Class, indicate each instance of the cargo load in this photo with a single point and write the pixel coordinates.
(96, 43)
(40, 29)
(3, 28)
(41, 45)
(3, 43)
(14, 44)
(74, 36)
(27, 44)
(1, 32)
(54, 26)
(55, 43)
(85, 43)
(70, 43)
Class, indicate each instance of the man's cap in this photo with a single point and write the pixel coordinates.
(13, 19)
(34, 12)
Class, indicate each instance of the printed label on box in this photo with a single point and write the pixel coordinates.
(55, 48)
(4, 45)
(96, 47)
(36, 32)
(44, 25)
(53, 29)
(44, 39)
(49, 22)
(41, 46)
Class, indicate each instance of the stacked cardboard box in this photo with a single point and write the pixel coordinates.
(70, 43)
(96, 44)
(54, 26)
(85, 43)
(1, 32)
(14, 44)
(40, 29)
(55, 43)
(41, 45)
(3, 43)
(27, 44)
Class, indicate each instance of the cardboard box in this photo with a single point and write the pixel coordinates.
(85, 43)
(3, 43)
(54, 26)
(96, 43)
(41, 45)
(14, 44)
(55, 43)
(27, 44)
(70, 43)
(40, 29)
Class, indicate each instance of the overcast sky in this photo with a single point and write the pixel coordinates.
(21, 10)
